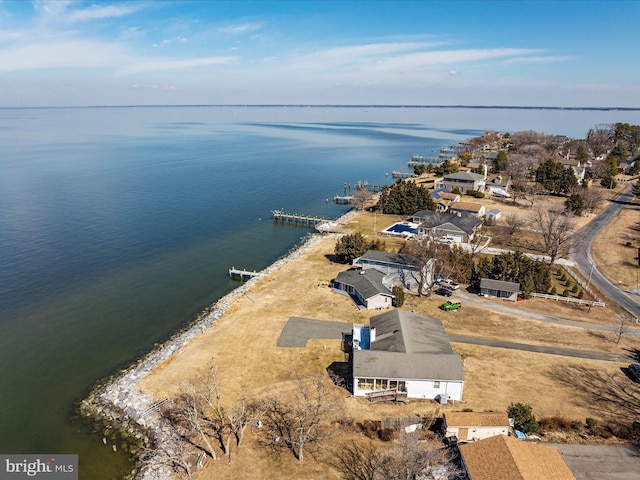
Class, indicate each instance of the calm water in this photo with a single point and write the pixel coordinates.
(118, 225)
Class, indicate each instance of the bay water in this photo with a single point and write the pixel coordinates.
(118, 225)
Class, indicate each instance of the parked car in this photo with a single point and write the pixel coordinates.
(449, 306)
(445, 292)
(634, 370)
(450, 284)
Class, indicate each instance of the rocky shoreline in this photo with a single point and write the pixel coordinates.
(134, 416)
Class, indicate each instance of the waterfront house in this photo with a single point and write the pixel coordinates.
(466, 182)
(443, 199)
(406, 353)
(499, 288)
(399, 269)
(365, 287)
(506, 458)
(475, 426)
(499, 185)
(460, 226)
(468, 207)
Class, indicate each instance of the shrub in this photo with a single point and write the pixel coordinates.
(591, 423)
(566, 292)
(575, 288)
(580, 294)
(553, 290)
(523, 418)
(398, 296)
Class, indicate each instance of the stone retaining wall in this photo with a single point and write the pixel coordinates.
(112, 401)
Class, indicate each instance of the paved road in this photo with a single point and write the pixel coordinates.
(581, 255)
(511, 308)
(601, 462)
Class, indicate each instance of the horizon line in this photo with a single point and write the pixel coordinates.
(337, 105)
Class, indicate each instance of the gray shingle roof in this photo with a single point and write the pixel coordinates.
(368, 282)
(464, 176)
(420, 366)
(408, 332)
(499, 285)
(392, 258)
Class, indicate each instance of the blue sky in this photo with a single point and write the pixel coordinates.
(420, 52)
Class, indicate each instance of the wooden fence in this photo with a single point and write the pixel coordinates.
(591, 303)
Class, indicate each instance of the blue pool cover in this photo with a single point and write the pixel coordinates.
(402, 228)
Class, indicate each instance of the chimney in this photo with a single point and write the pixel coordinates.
(486, 171)
(372, 334)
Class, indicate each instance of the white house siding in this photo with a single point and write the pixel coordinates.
(423, 389)
(428, 389)
(378, 301)
(475, 433)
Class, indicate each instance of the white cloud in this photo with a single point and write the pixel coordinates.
(96, 12)
(241, 28)
(538, 59)
(172, 64)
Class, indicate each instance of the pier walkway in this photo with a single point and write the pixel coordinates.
(242, 274)
(280, 216)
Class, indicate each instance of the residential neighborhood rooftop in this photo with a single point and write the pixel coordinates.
(506, 458)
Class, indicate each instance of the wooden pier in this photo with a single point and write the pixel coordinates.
(420, 160)
(280, 216)
(369, 187)
(242, 274)
(343, 199)
(397, 174)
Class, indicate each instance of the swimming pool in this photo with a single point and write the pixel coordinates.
(402, 228)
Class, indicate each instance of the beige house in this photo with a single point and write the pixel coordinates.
(468, 207)
(464, 181)
(475, 425)
(507, 458)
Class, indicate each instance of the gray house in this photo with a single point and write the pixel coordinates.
(408, 353)
(460, 226)
(365, 287)
(399, 269)
(499, 288)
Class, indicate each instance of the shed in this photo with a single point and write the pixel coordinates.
(475, 425)
(499, 288)
(493, 215)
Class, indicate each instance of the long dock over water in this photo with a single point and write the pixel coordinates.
(280, 216)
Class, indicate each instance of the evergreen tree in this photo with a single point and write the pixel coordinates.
(350, 247)
(405, 198)
(575, 204)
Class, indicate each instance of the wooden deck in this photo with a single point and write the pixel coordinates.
(387, 396)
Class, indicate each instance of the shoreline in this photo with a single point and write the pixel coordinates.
(132, 414)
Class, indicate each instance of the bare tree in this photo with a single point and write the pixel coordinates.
(520, 170)
(512, 226)
(168, 458)
(357, 460)
(592, 198)
(199, 415)
(361, 198)
(298, 422)
(599, 140)
(409, 459)
(623, 326)
(555, 227)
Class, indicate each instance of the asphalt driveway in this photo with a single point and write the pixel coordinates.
(601, 462)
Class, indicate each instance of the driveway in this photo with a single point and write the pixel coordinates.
(601, 462)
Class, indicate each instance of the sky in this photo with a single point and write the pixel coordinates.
(569, 53)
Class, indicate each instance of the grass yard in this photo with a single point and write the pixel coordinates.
(243, 346)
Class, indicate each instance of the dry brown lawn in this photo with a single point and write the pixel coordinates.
(614, 258)
(243, 346)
